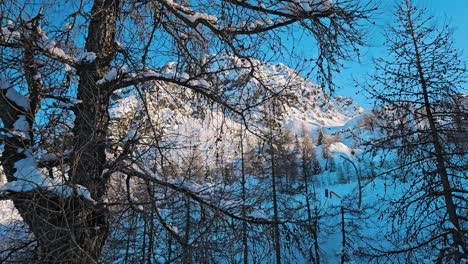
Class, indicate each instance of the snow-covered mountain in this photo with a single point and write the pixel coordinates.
(177, 117)
(300, 102)
(188, 122)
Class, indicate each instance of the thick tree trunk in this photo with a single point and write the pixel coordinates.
(91, 125)
(68, 229)
(92, 117)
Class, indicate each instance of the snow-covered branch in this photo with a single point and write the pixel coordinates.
(27, 177)
(30, 178)
(21, 36)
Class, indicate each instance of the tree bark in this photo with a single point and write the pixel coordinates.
(68, 229)
(276, 232)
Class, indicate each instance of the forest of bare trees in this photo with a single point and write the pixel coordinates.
(153, 131)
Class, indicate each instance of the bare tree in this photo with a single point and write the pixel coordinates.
(416, 85)
(309, 168)
(73, 65)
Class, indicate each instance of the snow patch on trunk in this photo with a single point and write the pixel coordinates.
(87, 57)
(21, 128)
(17, 98)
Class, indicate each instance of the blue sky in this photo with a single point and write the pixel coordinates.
(453, 12)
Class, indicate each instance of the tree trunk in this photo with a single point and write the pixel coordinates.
(275, 211)
(312, 222)
(187, 254)
(315, 232)
(244, 198)
(276, 233)
(439, 151)
(68, 228)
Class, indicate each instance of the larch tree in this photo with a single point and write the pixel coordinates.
(310, 167)
(415, 86)
(63, 63)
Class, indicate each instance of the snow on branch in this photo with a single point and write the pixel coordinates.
(310, 7)
(119, 77)
(21, 128)
(189, 15)
(30, 178)
(266, 15)
(295, 9)
(86, 57)
(51, 48)
(8, 36)
(20, 36)
(17, 98)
